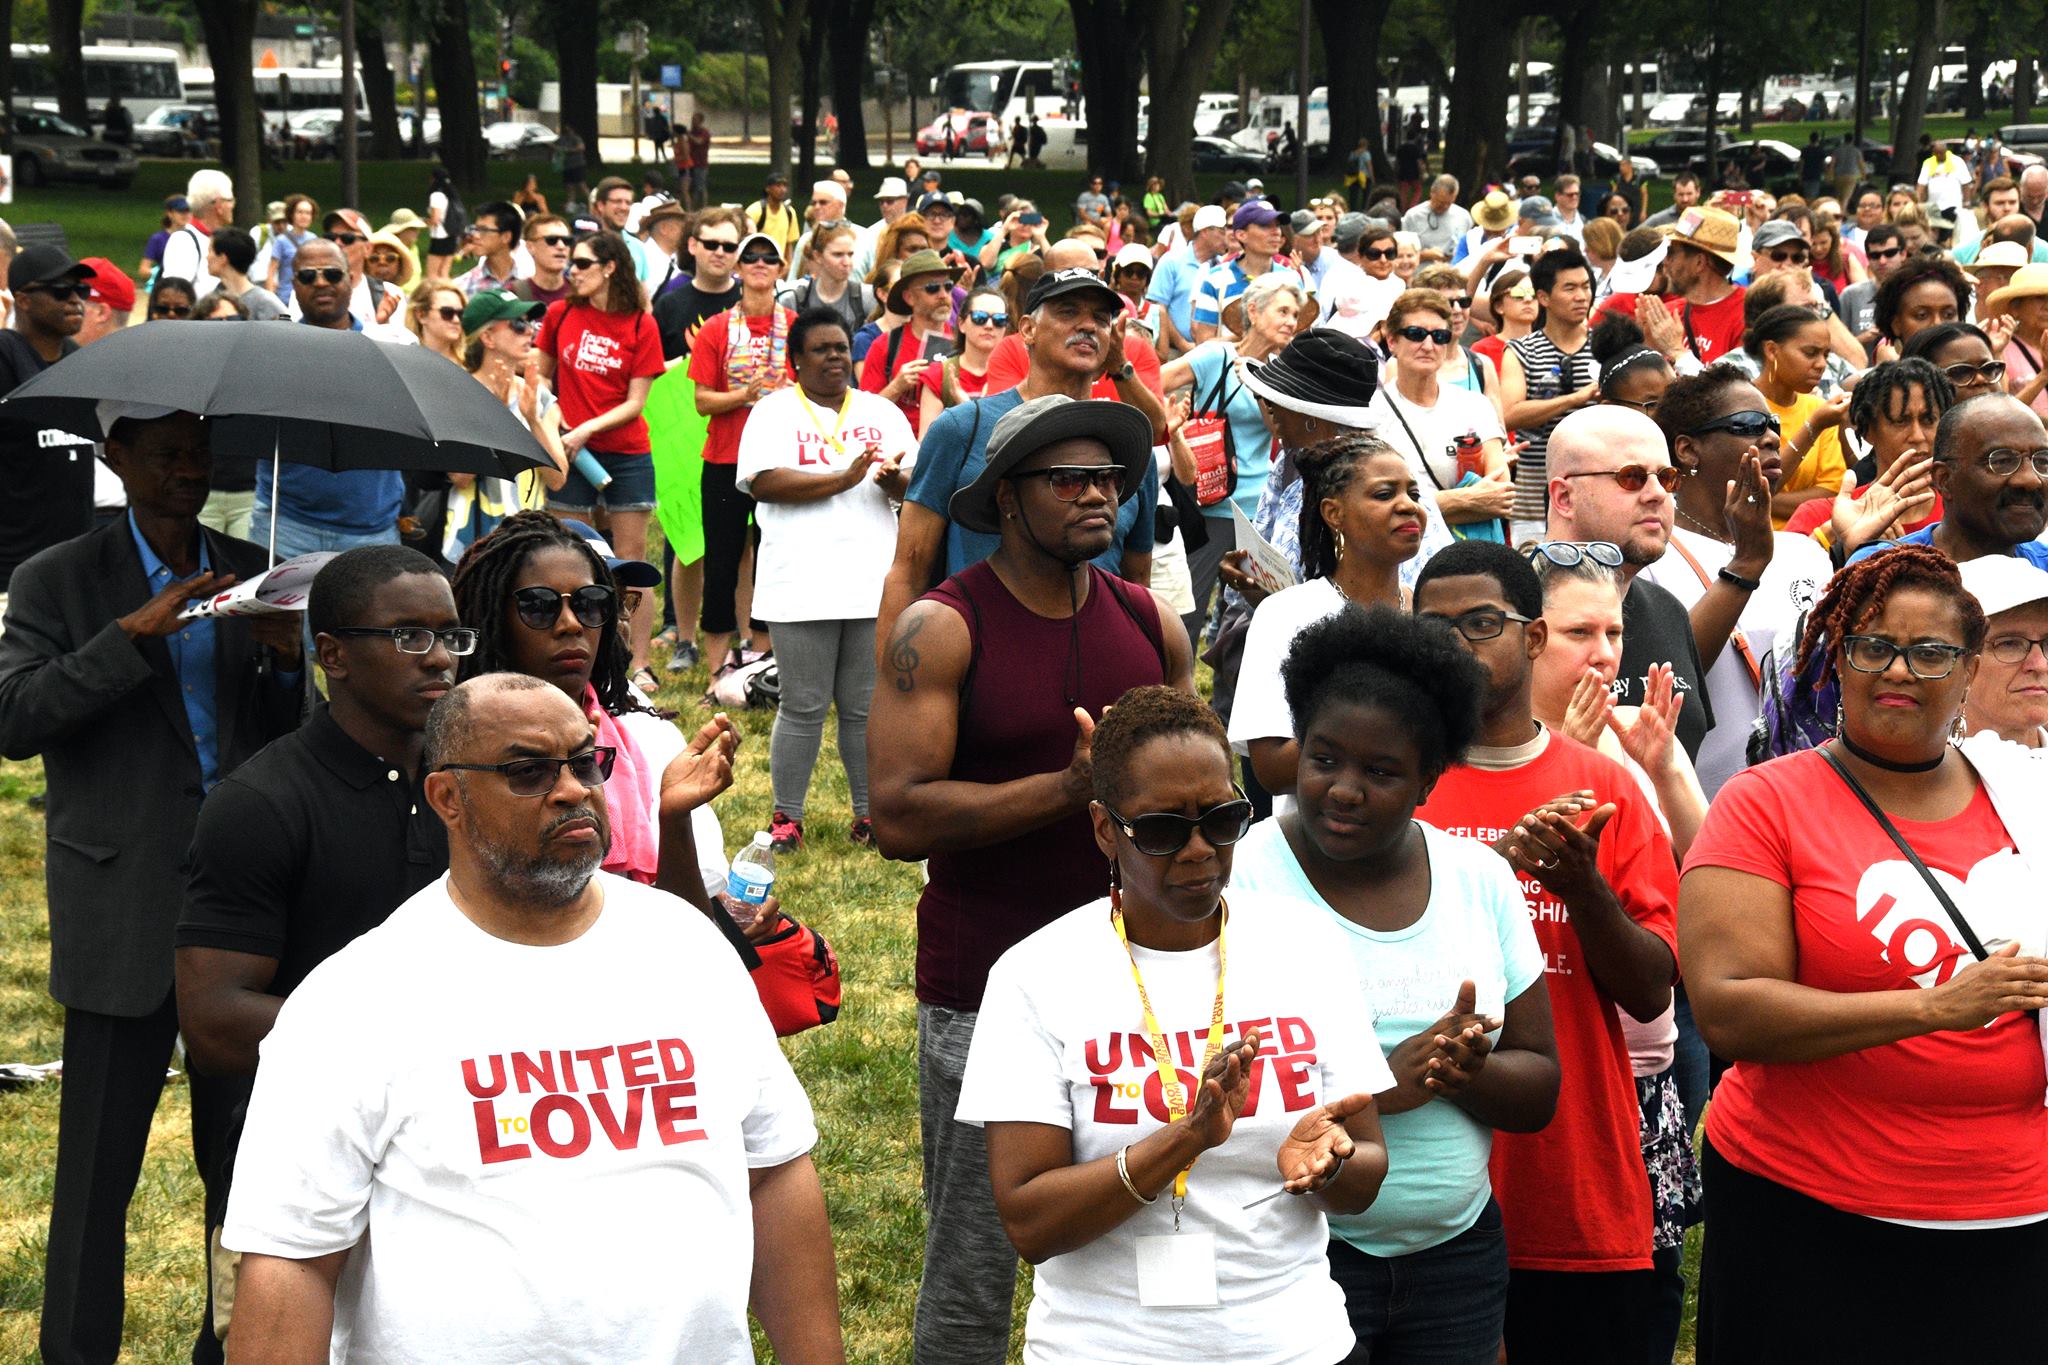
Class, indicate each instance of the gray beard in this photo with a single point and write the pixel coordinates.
(545, 883)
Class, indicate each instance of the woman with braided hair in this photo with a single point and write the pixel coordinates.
(1894, 410)
(1361, 519)
(545, 602)
(1861, 928)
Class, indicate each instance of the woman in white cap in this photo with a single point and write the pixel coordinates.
(2009, 696)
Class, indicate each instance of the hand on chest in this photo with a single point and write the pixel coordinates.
(1899, 934)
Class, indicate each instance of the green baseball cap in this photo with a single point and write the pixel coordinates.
(497, 305)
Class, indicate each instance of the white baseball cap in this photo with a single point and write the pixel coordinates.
(893, 188)
(1208, 216)
(2002, 582)
(1133, 253)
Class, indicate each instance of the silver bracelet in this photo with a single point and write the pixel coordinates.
(1123, 1173)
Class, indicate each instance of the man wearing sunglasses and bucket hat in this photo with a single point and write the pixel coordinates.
(979, 753)
(923, 297)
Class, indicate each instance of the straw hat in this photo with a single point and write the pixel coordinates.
(1495, 213)
(2029, 281)
(1707, 229)
(409, 267)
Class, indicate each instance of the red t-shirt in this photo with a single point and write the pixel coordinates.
(597, 356)
(971, 384)
(1573, 1197)
(1815, 513)
(1491, 347)
(1715, 328)
(707, 369)
(1945, 1126)
(1010, 362)
(875, 372)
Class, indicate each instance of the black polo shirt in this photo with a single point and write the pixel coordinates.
(308, 845)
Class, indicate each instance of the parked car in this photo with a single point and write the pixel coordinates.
(505, 141)
(177, 130)
(971, 136)
(1779, 161)
(432, 133)
(1538, 161)
(1215, 154)
(1677, 148)
(49, 150)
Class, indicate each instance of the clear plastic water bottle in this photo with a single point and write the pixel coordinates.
(753, 872)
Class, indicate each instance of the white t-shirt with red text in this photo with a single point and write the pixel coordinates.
(537, 1153)
(1061, 1040)
(823, 560)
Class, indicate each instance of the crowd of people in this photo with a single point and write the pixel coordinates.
(1649, 708)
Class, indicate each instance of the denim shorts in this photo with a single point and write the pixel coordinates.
(631, 488)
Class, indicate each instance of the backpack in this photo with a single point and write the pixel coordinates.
(1797, 713)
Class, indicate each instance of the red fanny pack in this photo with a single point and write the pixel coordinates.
(798, 979)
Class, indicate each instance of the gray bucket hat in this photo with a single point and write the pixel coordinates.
(1032, 426)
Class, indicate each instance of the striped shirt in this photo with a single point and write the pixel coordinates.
(1549, 373)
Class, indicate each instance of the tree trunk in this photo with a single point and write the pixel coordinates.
(1112, 65)
(1351, 43)
(1474, 148)
(1182, 55)
(1579, 30)
(812, 55)
(1913, 103)
(380, 87)
(1713, 176)
(575, 40)
(2022, 88)
(848, 39)
(6, 80)
(230, 28)
(1974, 43)
(782, 33)
(67, 60)
(453, 58)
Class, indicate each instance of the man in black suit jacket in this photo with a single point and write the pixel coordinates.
(135, 714)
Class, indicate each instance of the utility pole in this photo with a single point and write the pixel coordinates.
(1862, 69)
(349, 180)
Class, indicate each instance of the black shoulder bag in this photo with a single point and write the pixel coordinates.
(1969, 935)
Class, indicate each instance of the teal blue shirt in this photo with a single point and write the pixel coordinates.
(1251, 442)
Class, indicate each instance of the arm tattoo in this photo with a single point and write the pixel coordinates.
(903, 655)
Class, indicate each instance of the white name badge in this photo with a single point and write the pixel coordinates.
(1178, 1270)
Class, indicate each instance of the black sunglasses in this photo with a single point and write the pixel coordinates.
(1161, 833)
(1376, 254)
(934, 287)
(458, 640)
(553, 239)
(985, 319)
(1440, 335)
(345, 238)
(718, 246)
(332, 274)
(538, 776)
(539, 608)
(1748, 424)
(73, 289)
(760, 258)
(1067, 480)
(581, 262)
(1886, 254)
(171, 310)
(1791, 255)
(448, 314)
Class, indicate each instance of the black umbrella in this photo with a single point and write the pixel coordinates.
(312, 395)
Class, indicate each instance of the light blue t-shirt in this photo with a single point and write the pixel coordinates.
(2033, 551)
(1173, 286)
(1251, 442)
(1475, 928)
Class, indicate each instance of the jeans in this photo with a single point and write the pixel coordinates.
(296, 538)
(1690, 1063)
(821, 663)
(970, 1268)
(1442, 1306)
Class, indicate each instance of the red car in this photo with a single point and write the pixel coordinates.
(971, 133)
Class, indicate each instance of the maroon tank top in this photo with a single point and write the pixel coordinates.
(1016, 720)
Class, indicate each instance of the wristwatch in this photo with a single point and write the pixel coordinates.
(1127, 373)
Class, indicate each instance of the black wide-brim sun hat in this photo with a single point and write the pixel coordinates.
(1032, 426)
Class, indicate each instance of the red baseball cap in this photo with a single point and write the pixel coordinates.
(111, 285)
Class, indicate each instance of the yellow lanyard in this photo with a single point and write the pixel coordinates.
(832, 436)
(1169, 1080)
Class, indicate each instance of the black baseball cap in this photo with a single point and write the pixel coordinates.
(1074, 280)
(44, 265)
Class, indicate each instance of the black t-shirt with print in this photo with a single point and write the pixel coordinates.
(1655, 629)
(49, 470)
(683, 309)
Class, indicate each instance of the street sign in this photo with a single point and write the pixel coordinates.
(672, 77)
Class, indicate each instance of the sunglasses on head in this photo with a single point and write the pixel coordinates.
(1632, 478)
(1749, 424)
(1440, 335)
(1068, 480)
(70, 289)
(345, 238)
(552, 239)
(708, 245)
(984, 319)
(1161, 833)
(316, 274)
(539, 608)
(1373, 253)
(538, 776)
